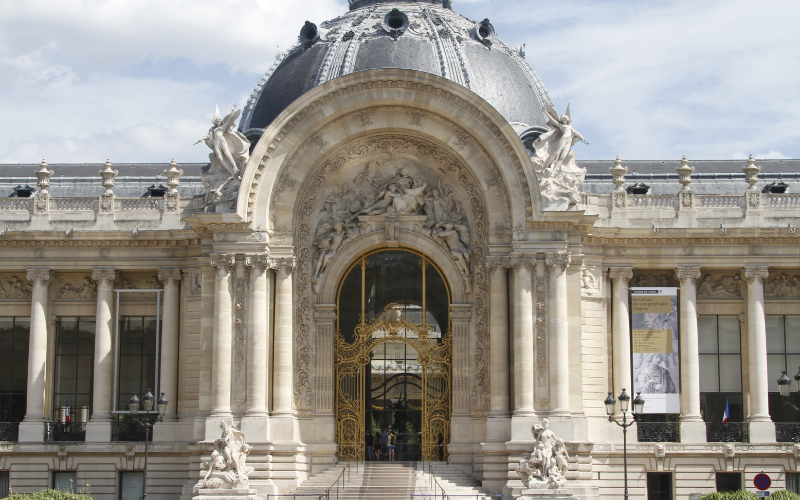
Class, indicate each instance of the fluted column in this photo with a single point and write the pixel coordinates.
(283, 387)
(37, 345)
(168, 375)
(257, 335)
(523, 334)
(757, 344)
(223, 335)
(557, 263)
(621, 331)
(498, 337)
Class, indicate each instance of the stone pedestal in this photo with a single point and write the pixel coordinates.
(543, 494)
(224, 494)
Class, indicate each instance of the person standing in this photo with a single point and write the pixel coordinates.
(385, 443)
(392, 444)
(376, 446)
(370, 447)
(440, 446)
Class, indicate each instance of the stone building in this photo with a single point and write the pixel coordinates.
(398, 235)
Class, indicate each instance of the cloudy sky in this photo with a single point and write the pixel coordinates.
(137, 80)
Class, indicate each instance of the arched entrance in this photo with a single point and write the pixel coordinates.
(393, 355)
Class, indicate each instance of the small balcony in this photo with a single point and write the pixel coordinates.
(729, 432)
(787, 432)
(658, 432)
(9, 431)
(129, 429)
(60, 431)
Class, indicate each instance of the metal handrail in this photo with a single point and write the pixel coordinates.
(341, 475)
(435, 483)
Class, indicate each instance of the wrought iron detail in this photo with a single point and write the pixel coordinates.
(9, 431)
(351, 358)
(787, 432)
(58, 431)
(129, 430)
(730, 432)
(658, 432)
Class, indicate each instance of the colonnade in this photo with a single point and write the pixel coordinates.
(692, 426)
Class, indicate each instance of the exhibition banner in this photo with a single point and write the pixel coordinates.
(654, 343)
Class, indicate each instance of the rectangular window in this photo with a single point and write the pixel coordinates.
(131, 485)
(65, 481)
(783, 354)
(137, 358)
(4, 483)
(14, 334)
(74, 366)
(793, 482)
(720, 368)
(659, 486)
(729, 481)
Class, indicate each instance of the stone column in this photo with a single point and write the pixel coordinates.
(223, 336)
(498, 337)
(98, 429)
(283, 358)
(692, 427)
(254, 423)
(620, 330)
(762, 430)
(32, 428)
(523, 338)
(557, 264)
(168, 375)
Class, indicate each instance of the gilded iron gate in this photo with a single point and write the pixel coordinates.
(350, 363)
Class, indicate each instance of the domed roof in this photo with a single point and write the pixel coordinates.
(423, 35)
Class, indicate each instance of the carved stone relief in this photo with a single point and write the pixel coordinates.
(239, 339)
(13, 288)
(719, 287)
(196, 283)
(590, 285)
(391, 185)
(540, 303)
(72, 287)
(653, 280)
(139, 283)
(782, 286)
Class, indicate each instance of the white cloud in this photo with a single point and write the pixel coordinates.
(81, 80)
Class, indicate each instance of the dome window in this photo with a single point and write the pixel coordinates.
(777, 187)
(395, 23)
(484, 32)
(23, 191)
(309, 34)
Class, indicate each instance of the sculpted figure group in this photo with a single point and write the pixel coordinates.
(230, 152)
(546, 465)
(227, 467)
(393, 189)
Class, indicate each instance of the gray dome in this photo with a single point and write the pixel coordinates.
(425, 36)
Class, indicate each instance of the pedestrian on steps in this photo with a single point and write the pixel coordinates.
(385, 443)
(392, 444)
(376, 446)
(370, 447)
(440, 445)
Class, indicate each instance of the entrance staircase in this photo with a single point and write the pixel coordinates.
(390, 481)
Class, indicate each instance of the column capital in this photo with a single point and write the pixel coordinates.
(498, 262)
(283, 264)
(169, 276)
(752, 273)
(260, 260)
(104, 276)
(460, 313)
(40, 275)
(325, 313)
(519, 260)
(558, 259)
(620, 275)
(687, 275)
(223, 262)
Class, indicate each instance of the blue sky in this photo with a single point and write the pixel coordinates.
(137, 80)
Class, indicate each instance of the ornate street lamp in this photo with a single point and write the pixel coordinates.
(785, 385)
(148, 419)
(638, 408)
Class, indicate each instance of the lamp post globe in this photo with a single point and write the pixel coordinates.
(797, 380)
(638, 404)
(610, 403)
(133, 405)
(785, 385)
(624, 400)
(148, 400)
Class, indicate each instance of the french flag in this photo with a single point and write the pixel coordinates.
(66, 414)
(726, 414)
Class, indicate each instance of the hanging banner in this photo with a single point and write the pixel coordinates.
(654, 343)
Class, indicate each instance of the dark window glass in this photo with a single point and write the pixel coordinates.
(131, 485)
(14, 333)
(137, 358)
(74, 365)
(720, 368)
(659, 486)
(783, 354)
(729, 481)
(4, 484)
(793, 482)
(65, 481)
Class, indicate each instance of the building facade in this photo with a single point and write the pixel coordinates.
(395, 237)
